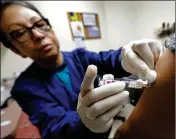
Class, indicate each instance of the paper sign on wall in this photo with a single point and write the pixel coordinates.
(79, 42)
(89, 19)
(73, 16)
(93, 31)
(77, 29)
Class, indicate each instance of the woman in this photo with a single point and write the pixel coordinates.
(48, 90)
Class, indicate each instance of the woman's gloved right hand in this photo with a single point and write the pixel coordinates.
(140, 57)
(97, 106)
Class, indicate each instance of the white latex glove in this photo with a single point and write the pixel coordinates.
(139, 58)
(97, 106)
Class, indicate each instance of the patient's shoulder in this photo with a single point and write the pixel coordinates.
(154, 114)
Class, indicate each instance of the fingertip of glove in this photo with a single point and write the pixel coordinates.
(91, 71)
(151, 76)
(126, 93)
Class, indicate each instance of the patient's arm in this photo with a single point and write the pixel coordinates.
(154, 115)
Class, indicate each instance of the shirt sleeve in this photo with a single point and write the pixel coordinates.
(53, 120)
(170, 43)
(107, 62)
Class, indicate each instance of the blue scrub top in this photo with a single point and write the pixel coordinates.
(63, 76)
(51, 105)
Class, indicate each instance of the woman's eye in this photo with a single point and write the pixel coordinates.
(18, 34)
(41, 24)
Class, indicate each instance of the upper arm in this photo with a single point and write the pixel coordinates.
(153, 116)
(52, 119)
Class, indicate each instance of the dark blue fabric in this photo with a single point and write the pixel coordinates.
(50, 105)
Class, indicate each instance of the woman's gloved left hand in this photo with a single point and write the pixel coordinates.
(98, 106)
(139, 58)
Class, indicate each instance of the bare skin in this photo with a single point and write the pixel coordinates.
(154, 114)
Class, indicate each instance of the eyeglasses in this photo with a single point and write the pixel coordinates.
(24, 34)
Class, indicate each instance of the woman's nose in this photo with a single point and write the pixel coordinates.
(37, 34)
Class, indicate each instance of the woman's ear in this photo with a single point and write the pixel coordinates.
(18, 52)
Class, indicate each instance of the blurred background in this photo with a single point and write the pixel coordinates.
(119, 21)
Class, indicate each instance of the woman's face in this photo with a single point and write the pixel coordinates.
(39, 43)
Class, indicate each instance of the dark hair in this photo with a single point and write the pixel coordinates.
(3, 6)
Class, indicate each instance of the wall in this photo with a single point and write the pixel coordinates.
(56, 11)
(128, 20)
(119, 15)
(11, 63)
(120, 22)
(151, 15)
